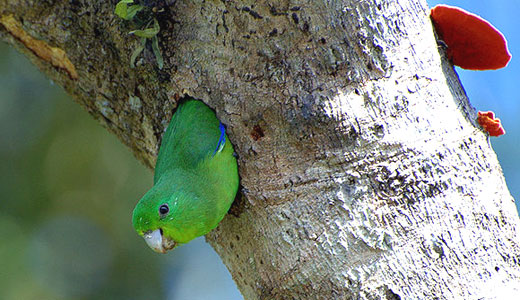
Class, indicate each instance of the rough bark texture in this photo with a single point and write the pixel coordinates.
(364, 174)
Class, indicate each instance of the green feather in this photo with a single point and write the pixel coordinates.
(196, 177)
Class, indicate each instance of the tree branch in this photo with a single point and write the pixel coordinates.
(364, 174)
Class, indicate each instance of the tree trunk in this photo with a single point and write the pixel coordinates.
(364, 174)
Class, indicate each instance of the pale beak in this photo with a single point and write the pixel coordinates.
(156, 241)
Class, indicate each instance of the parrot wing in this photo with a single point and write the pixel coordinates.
(194, 133)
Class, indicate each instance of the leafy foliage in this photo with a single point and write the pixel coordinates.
(147, 27)
(127, 12)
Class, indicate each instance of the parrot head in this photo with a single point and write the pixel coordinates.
(158, 218)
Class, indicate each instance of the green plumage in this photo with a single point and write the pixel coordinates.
(196, 178)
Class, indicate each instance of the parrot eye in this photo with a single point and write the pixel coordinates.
(163, 209)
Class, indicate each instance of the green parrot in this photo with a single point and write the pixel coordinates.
(195, 182)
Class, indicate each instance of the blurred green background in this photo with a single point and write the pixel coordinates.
(68, 189)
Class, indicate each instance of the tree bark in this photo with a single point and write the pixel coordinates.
(363, 172)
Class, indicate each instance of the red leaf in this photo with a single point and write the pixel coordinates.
(473, 43)
(490, 124)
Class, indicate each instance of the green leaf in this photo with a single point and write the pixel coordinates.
(124, 12)
(132, 11)
(148, 32)
(157, 52)
(121, 10)
(136, 52)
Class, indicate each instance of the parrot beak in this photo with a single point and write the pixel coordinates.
(158, 243)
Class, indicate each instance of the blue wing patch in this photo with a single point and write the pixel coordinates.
(221, 140)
